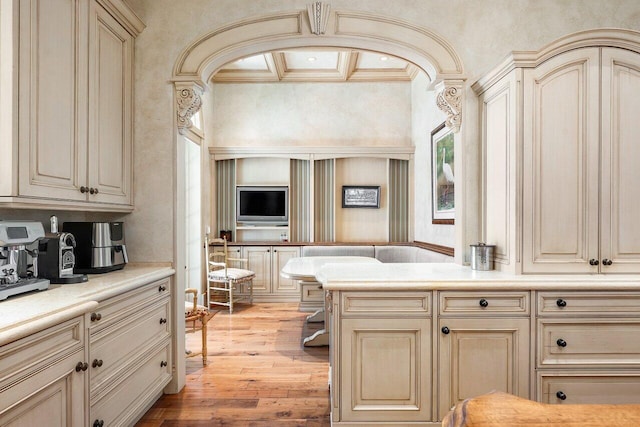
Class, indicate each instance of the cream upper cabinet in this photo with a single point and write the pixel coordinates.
(71, 147)
(560, 164)
(560, 177)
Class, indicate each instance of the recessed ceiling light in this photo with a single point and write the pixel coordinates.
(384, 58)
(311, 58)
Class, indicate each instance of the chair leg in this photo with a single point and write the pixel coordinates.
(203, 320)
(230, 297)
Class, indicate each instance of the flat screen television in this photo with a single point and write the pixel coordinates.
(262, 205)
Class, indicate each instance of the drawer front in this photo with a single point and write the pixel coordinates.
(112, 349)
(124, 402)
(588, 303)
(484, 303)
(127, 304)
(312, 292)
(403, 304)
(23, 356)
(589, 388)
(612, 342)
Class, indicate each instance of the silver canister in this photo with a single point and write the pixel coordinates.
(482, 256)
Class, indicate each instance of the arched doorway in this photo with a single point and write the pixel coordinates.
(316, 27)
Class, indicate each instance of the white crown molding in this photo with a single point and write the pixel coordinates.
(603, 37)
(125, 15)
(308, 153)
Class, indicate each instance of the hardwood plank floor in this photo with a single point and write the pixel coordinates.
(258, 375)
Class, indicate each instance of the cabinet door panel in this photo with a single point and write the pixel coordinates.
(52, 85)
(386, 369)
(280, 257)
(477, 356)
(259, 261)
(620, 228)
(110, 68)
(561, 164)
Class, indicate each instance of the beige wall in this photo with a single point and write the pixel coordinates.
(481, 32)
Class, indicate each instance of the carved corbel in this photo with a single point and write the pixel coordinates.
(449, 100)
(189, 100)
(318, 17)
(328, 296)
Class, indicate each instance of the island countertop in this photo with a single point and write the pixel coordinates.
(448, 276)
(25, 314)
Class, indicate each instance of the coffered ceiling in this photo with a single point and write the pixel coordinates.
(317, 66)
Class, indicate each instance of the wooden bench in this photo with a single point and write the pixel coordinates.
(505, 410)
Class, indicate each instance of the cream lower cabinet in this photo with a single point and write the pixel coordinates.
(43, 378)
(129, 354)
(383, 353)
(588, 347)
(483, 345)
(266, 262)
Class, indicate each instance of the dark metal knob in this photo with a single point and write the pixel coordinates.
(84, 189)
(163, 364)
(98, 423)
(92, 190)
(484, 303)
(607, 262)
(96, 190)
(163, 320)
(593, 262)
(560, 395)
(561, 342)
(82, 366)
(445, 330)
(96, 363)
(95, 317)
(161, 288)
(561, 303)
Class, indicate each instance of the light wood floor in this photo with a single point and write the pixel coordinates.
(258, 374)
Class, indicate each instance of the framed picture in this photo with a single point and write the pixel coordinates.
(442, 173)
(360, 196)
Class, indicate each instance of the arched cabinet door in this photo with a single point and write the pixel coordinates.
(561, 163)
(620, 197)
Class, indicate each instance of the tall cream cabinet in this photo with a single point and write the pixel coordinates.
(560, 155)
(69, 109)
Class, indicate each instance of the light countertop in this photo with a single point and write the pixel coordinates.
(449, 276)
(25, 314)
(306, 268)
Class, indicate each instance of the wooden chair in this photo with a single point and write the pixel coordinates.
(192, 313)
(224, 279)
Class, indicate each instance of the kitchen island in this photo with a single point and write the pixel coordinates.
(409, 341)
(88, 353)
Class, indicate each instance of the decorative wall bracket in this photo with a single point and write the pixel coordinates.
(318, 17)
(189, 102)
(449, 100)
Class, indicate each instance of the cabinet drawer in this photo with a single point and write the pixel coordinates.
(589, 303)
(115, 347)
(612, 342)
(589, 388)
(23, 356)
(312, 292)
(484, 303)
(136, 389)
(127, 304)
(404, 304)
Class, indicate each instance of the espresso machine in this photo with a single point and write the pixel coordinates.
(19, 258)
(57, 257)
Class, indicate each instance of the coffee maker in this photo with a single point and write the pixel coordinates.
(57, 257)
(19, 258)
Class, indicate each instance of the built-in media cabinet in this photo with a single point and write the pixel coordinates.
(313, 180)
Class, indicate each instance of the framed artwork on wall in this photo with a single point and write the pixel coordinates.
(442, 176)
(360, 196)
